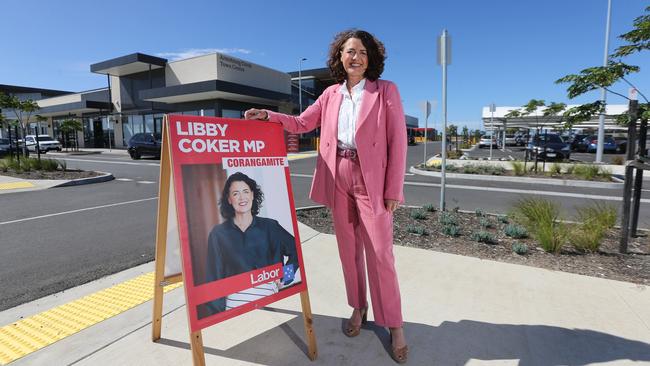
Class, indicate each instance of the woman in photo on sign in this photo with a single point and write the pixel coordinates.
(245, 242)
(359, 174)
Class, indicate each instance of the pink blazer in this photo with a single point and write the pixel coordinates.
(380, 138)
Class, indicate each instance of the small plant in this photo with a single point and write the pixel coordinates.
(541, 218)
(569, 170)
(556, 169)
(418, 230)
(479, 212)
(483, 237)
(594, 219)
(447, 218)
(63, 165)
(618, 160)
(429, 207)
(418, 215)
(604, 213)
(503, 219)
(451, 230)
(485, 223)
(587, 171)
(605, 173)
(520, 248)
(518, 168)
(515, 231)
(49, 165)
(25, 165)
(4, 165)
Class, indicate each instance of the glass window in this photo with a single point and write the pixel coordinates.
(231, 113)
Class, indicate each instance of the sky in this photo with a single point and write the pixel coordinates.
(503, 51)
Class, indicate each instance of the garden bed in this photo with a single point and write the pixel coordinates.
(32, 168)
(604, 263)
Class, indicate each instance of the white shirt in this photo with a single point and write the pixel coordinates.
(349, 113)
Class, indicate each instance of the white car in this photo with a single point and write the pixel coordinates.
(486, 141)
(45, 143)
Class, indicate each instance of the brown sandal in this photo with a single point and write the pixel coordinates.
(353, 330)
(399, 355)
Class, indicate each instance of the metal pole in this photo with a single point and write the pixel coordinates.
(300, 84)
(443, 62)
(426, 124)
(603, 92)
(638, 179)
(492, 108)
(629, 174)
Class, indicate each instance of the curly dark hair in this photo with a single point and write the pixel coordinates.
(374, 47)
(227, 211)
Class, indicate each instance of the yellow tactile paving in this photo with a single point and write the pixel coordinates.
(301, 155)
(16, 185)
(31, 334)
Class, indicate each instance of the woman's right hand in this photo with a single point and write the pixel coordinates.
(259, 114)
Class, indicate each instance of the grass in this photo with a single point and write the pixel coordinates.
(556, 169)
(586, 171)
(518, 168)
(418, 214)
(595, 219)
(30, 164)
(540, 217)
(429, 207)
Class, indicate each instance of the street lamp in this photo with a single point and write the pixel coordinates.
(300, 83)
(603, 91)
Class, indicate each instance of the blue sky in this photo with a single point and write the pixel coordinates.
(504, 51)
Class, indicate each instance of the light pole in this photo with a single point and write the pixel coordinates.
(603, 92)
(300, 83)
(492, 109)
(444, 59)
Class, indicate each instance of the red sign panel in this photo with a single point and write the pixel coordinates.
(236, 216)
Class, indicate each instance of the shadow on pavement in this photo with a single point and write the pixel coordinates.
(450, 343)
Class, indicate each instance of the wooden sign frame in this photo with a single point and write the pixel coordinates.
(165, 194)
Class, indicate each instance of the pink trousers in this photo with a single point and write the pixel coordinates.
(358, 230)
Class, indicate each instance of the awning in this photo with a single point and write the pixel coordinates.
(129, 64)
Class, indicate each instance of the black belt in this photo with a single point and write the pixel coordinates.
(347, 153)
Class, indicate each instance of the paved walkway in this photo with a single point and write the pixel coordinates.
(458, 311)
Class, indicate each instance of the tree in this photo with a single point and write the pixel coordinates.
(593, 78)
(70, 126)
(465, 134)
(22, 109)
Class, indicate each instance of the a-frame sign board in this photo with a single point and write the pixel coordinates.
(200, 157)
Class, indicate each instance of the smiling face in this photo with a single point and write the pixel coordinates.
(354, 58)
(240, 197)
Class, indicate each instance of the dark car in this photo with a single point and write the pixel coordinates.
(410, 140)
(549, 147)
(608, 146)
(576, 140)
(142, 144)
(6, 147)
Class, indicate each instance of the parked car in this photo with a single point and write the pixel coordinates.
(511, 140)
(549, 147)
(608, 146)
(521, 139)
(6, 147)
(145, 144)
(575, 140)
(486, 141)
(45, 143)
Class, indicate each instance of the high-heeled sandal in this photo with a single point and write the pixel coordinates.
(353, 330)
(399, 355)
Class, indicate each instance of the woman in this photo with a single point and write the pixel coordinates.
(245, 242)
(359, 174)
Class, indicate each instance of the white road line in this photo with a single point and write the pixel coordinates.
(124, 179)
(112, 162)
(302, 175)
(525, 191)
(79, 210)
(146, 182)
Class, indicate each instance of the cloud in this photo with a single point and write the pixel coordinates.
(193, 52)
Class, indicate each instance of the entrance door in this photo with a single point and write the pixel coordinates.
(98, 132)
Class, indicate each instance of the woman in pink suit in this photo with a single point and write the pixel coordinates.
(359, 174)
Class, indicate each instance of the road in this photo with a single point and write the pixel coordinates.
(59, 238)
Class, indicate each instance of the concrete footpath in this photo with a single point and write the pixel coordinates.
(458, 311)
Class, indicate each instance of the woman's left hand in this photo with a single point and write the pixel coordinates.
(391, 205)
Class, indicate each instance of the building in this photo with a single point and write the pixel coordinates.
(25, 93)
(141, 89)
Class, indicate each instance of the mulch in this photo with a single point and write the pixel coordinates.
(605, 263)
(57, 174)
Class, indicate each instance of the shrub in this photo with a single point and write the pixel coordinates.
(570, 169)
(447, 218)
(594, 219)
(63, 165)
(518, 168)
(485, 223)
(483, 237)
(324, 214)
(586, 171)
(451, 230)
(520, 248)
(479, 212)
(429, 207)
(618, 160)
(556, 169)
(49, 165)
(541, 218)
(605, 173)
(4, 165)
(604, 213)
(503, 219)
(453, 154)
(418, 214)
(25, 165)
(14, 164)
(418, 230)
(515, 231)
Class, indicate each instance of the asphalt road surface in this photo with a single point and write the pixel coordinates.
(59, 238)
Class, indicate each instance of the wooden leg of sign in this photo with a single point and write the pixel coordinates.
(309, 325)
(161, 239)
(198, 356)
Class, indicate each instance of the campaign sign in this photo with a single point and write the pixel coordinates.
(236, 216)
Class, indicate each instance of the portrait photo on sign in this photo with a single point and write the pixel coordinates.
(239, 220)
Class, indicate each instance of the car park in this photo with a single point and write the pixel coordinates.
(45, 143)
(146, 143)
(609, 144)
(521, 139)
(548, 147)
(575, 140)
(486, 141)
(6, 147)
(511, 140)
